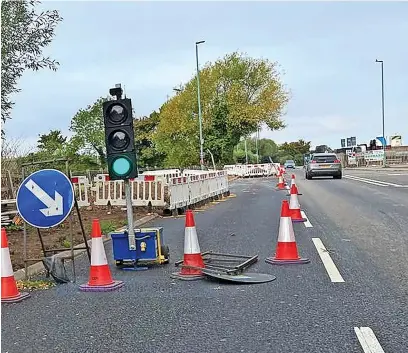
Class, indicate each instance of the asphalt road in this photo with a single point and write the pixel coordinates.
(382, 177)
(363, 226)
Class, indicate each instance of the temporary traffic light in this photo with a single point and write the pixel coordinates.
(119, 138)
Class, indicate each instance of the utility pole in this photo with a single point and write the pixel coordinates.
(199, 108)
(246, 151)
(382, 108)
(257, 142)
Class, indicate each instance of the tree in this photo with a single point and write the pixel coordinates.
(297, 147)
(266, 148)
(51, 141)
(24, 34)
(144, 128)
(89, 131)
(238, 94)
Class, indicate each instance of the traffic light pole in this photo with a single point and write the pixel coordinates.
(120, 149)
(129, 212)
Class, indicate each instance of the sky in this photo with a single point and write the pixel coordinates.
(326, 52)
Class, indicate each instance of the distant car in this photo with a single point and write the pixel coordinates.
(323, 164)
(289, 164)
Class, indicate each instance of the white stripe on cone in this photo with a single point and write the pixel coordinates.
(286, 233)
(294, 202)
(98, 256)
(191, 245)
(6, 267)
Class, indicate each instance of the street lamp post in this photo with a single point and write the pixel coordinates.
(382, 107)
(246, 151)
(199, 108)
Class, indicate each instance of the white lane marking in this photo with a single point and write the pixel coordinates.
(368, 341)
(398, 174)
(307, 223)
(328, 263)
(375, 182)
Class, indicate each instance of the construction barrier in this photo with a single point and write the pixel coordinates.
(161, 189)
(252, 170)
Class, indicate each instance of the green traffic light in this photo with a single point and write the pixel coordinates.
(121, 166)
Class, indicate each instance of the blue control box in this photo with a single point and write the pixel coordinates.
(150, 247)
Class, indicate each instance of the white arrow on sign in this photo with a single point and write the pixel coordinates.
(55, 207)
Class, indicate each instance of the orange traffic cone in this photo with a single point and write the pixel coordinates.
(9, 290)
(294, 205)
(100, 278)
(192, 253)
(286, 249)
(281, 183)
(293, 182)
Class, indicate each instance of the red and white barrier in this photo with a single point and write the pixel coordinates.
(166, 189)
(251, 170)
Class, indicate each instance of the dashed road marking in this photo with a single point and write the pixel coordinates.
(374, 182)
(368, 341)
(328, 263)
(307, 222)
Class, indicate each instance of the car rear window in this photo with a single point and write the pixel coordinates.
(325, 159)
(289, 161)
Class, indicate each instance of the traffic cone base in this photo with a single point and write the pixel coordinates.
(192, 254)
(101, 288)
(100, 277)
(273, 261)
(186, 277)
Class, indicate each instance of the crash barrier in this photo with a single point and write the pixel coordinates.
(163, 190)
(252, 170)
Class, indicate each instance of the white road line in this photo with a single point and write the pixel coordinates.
(307, 223)
(328, 263)
(368, 341)
(375, 182)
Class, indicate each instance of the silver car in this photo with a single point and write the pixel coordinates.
(324, 164)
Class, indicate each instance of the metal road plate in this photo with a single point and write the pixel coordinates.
(242, 278)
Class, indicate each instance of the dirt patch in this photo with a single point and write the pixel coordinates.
(59, 237)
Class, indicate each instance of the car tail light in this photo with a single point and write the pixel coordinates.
(336, 161)
(313, 161)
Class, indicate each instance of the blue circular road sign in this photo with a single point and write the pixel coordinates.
(45, 198)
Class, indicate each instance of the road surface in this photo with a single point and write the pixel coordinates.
(318, 307)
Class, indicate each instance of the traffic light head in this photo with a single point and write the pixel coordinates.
(119, 139)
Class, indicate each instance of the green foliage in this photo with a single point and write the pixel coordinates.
(13, 227)
(108, 227)
(297, 147)
(148, 155)
(24, 34)
(88, 128)
(51, 142)
(238, 94)
(266, 148)
(294, 151)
